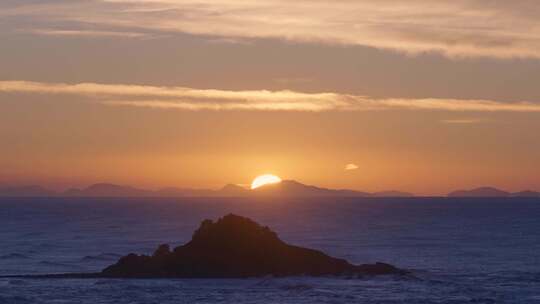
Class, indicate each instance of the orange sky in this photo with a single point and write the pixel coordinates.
(420, 97)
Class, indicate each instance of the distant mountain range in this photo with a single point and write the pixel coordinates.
(26, 191)
(287, 188)
(294, 188)
(492, 192)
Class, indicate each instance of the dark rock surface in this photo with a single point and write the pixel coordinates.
(237, 247)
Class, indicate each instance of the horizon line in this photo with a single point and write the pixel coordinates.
(157, 190)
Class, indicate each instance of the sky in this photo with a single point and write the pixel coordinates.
(416, 95)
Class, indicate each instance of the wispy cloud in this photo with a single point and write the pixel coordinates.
(183, 98)
(500, 29)
(462, 121)
(89, 33)
(351, 167)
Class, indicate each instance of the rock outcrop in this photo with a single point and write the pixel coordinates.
(237, 247)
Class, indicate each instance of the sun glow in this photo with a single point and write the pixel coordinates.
(265, 180)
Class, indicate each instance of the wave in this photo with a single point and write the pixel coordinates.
(515, 276)
(16, 299)
(296, 287)
(14, 256)
(58, 264)
(108, 282)
(101, 257)
(18, 282)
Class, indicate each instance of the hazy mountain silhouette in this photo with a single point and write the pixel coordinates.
(294, 188)
(25, 191)
(227, 190)
(286, 188)
(487, 192)
(526, 193)
(108, 190)
(392, 194)
(180, 192)
(233, 190)
(480, 192)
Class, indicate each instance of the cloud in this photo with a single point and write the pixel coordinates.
(183, 98)
(89, 33)
(351, 167)
(463, 121)
(501, 29)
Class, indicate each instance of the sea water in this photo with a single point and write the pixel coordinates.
(458, 250)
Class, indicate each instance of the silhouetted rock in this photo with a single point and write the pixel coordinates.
(480, 192)
(162, 251)
(237, 247)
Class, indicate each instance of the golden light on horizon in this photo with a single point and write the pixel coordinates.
(265, 179)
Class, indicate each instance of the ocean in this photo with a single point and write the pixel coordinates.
(459, 250)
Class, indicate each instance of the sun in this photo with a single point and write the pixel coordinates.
(265, 179)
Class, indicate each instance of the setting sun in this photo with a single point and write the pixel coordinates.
(265, 180)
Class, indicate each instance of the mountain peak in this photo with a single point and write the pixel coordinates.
(232, 190)
(232, 227)
(229, 187)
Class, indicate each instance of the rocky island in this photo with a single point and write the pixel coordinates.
(231, 247)
(237, 247)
